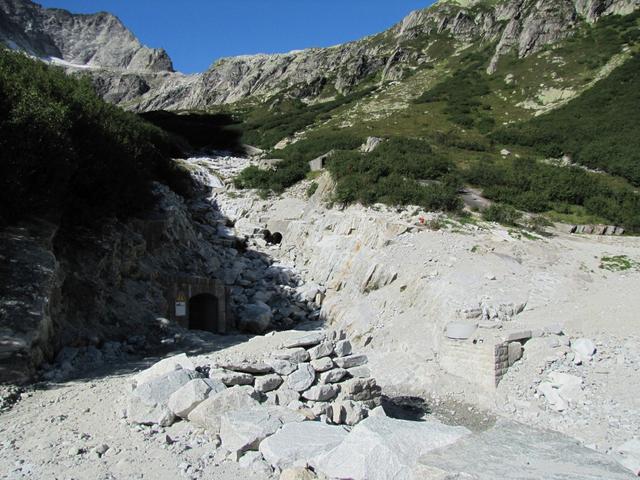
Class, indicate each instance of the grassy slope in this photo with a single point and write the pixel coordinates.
(457, 117)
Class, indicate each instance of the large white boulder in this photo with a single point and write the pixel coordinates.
(208, 414)
(147, 404)
(243, 430)
(162, 367)
(296, 442)
(380, 448)
(190, 395)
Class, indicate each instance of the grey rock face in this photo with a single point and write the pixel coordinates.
(141, 77)
(99, 40)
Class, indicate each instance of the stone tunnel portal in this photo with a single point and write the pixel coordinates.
(198, 303)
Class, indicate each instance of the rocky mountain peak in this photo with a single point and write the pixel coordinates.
(98, 40)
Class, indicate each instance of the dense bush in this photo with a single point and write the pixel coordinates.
(399, 172)
(66, 154)
(599, 129)
(539, 187)
(504, 214)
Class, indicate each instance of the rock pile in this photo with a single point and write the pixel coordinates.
(312, 389)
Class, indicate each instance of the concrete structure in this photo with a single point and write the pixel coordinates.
(482, 359)
(197, 303)
(320, 163)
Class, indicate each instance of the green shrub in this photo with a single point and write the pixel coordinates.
(503, 214)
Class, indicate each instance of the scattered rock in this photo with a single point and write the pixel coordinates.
(321, 393)
(343, 348)
(309, 340)
(322, 364)
(302, 378)
(268, 383)
(351, 361)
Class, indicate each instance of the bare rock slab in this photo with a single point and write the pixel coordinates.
(519, 452)
(380, 448)
(208, 414)
(296, 442)
(243, 430)
(268, 383)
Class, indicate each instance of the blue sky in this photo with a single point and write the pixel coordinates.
(197, 32)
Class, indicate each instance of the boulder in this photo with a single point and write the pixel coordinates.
(322, 350)
(351, 361)
(259, 368)
(309, 340)
(302, 378)
(255, 318)
(359, 372)
(284, 396)
(243, 430)
(321, 393)
(584, 350)
(346, 413)
(268, 383)
(147, 404)
(380, 448)
(162, 367)
(190, 395)
(359, 389)
(231, 379)
(282, 367)
(255, 462)
(322, 364)
(343, 348)
(293, 355)
(207, 415)
(333, 376)
(299, 442)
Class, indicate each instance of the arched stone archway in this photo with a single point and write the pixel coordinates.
(198, 303)
(203, 312)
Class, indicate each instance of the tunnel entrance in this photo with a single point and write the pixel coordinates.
(272, 238)
(203, 312)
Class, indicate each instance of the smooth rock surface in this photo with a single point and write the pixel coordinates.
(296, 442)
(382, 448)
(518, 452)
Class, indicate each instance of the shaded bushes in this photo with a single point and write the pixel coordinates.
(199, 130)
(68, 155)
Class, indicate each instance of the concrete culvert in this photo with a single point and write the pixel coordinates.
(203, 312)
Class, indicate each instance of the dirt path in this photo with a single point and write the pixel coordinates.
(59, 431)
